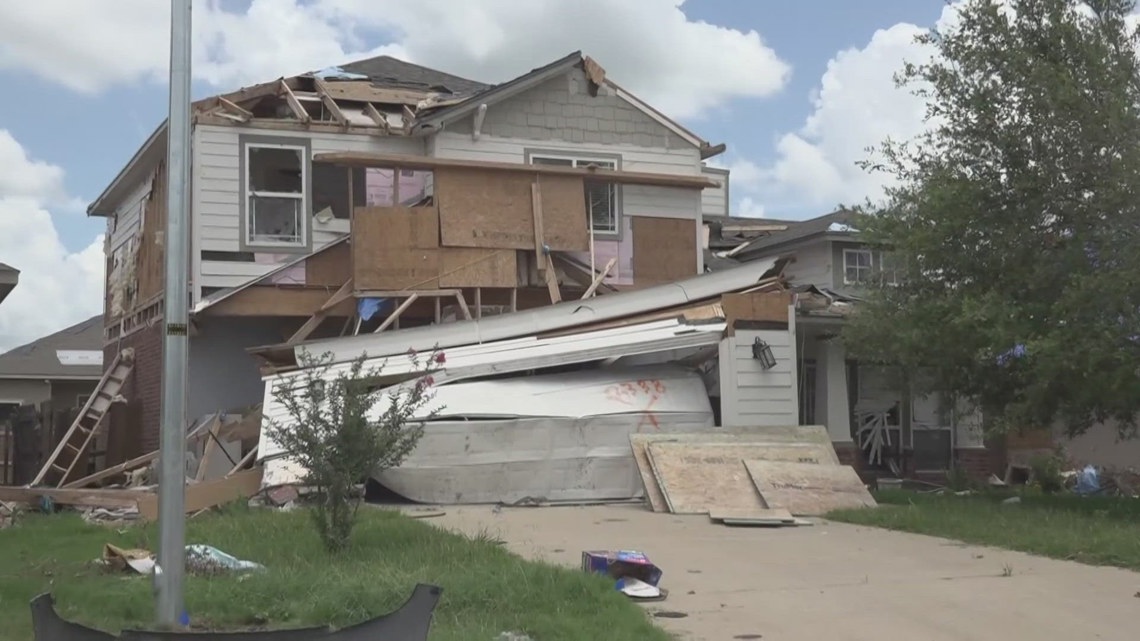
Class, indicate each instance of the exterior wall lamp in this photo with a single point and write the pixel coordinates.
(762, 352)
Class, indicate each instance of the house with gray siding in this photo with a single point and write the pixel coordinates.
(859, 402)
(269, 219)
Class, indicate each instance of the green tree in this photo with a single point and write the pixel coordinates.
(1014, 220)
(336, 432)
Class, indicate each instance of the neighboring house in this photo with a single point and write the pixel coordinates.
(281, 169)
(63, 368)
(9, 278)
(861, 406)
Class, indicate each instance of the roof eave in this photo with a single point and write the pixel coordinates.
(141, 161)
(44, 376)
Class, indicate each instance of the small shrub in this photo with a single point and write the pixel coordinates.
(1047, 473)
(958, 480)
(330, 433)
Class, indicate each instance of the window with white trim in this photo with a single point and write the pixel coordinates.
(275, 184)
(858, 266)
(601, 198)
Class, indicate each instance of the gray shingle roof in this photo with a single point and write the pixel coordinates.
(38, 359)
(800, 231)
(386, 71)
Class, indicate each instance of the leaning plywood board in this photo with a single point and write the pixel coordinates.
(696, 478)
(816, 434)
(808, 490)
(494, 210)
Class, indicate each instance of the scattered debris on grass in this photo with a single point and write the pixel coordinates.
(634, 574)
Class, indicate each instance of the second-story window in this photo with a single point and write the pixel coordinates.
(858, 266)
(275, 204)
(601, 198)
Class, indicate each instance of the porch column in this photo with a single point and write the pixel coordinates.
(833, 384)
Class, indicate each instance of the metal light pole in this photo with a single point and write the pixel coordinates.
(175, 341)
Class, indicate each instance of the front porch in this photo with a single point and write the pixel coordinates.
(875, 426)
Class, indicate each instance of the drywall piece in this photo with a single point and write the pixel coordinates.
(494, 209)
(816, 434)
(808, 490)
(664, 250)
(395, 248)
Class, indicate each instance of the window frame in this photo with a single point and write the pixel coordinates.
(302, 146)
(870, 267)
(578, 159)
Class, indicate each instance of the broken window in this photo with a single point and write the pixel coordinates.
(275, 195)
(601, 197)
(857, 266)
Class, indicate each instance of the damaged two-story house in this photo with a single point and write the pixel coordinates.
(381, 193)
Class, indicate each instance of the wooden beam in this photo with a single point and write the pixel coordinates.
(208, 452)
(463, 305)
(330, 104)
(599, 278)
(342, 294)
(202, 496)
(478, 302)
(241, 112)
(393, 161)
(395, 315)
(552, 282)
(381, 121)
(409, 117)
(514, 299)
(289, 124)
(294, 105)
(438, 310)
(539, 237)
(245, 460)
(111, 472)
(278, 300)
(424, 293)
(76, 497)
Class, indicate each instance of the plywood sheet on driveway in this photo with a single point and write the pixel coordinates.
(808, 490)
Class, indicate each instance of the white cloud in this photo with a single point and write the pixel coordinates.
(57, 288)
(856, 106)
(681, 66)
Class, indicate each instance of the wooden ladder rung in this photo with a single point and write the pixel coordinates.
(58, 468)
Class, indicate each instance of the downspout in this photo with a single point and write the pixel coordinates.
(477, 127)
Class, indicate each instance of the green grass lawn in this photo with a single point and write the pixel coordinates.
(487, 590)
(1093, 530)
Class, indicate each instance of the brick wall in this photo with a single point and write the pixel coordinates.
(849, 454)
(975, 461)
(144, 385)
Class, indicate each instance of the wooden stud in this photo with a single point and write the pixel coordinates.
(478, 302)
(245, 460)
(394, 317)
(330, 104)
(539, 238)
(409, 118)
(341, 295)
(294, 105)
(514, 299)
(463, 305)
(552, 282)
(237, 110)
(599, 278)
(381, 121)
(438, 310)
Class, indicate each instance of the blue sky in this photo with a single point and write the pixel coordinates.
(796, 89)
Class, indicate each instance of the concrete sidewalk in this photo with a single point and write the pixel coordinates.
(829, 581)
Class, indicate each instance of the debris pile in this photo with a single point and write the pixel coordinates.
(764, 476)
(221, 448)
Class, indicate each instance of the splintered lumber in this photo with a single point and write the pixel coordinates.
(808, 490)
(805, 434)
(202, 496)
(74, 497)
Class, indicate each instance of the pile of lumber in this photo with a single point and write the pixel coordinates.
(221, 448)
(747, 476)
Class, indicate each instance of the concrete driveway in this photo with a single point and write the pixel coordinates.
(828, 581)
